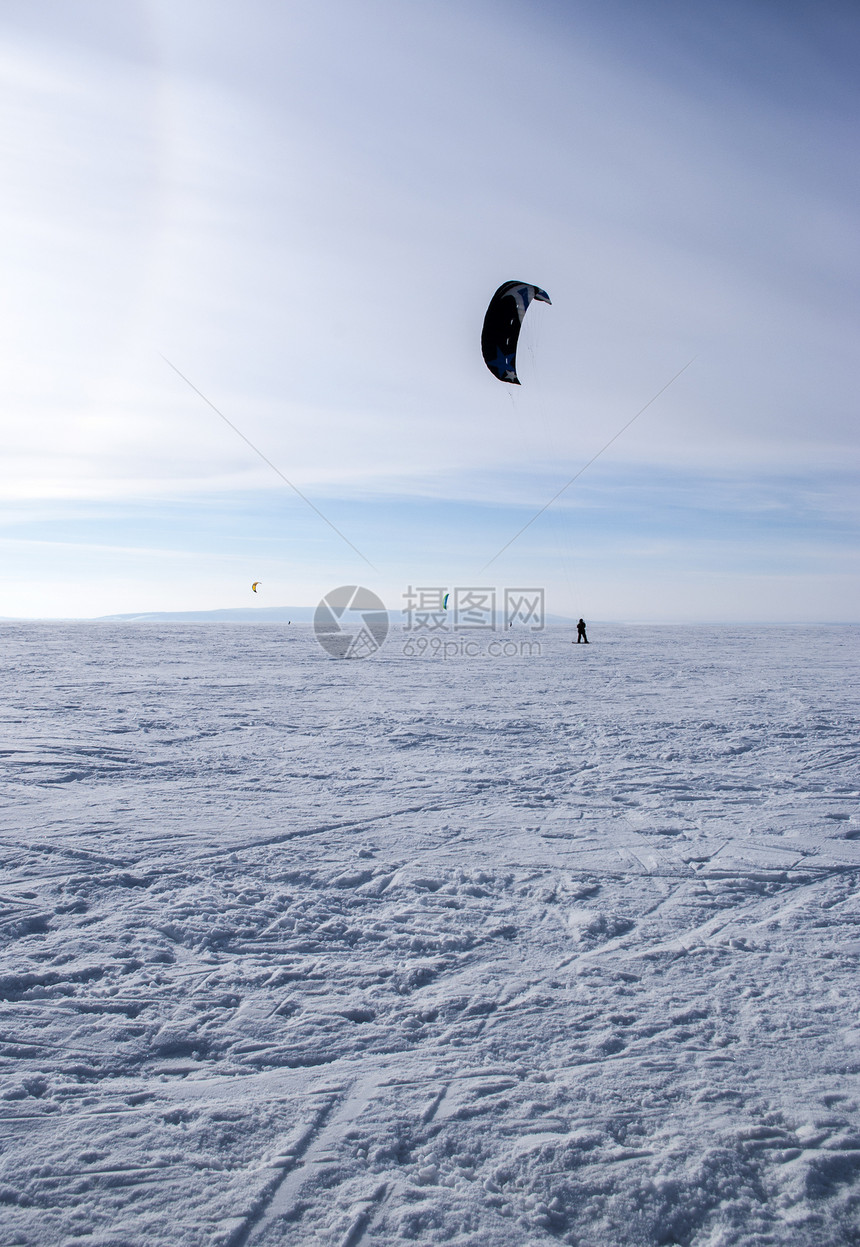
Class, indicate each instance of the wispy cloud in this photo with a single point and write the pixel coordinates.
(307, 207)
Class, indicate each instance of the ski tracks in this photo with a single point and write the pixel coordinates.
(305, 1159)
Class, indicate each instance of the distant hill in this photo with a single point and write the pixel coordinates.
(250, 614)
(240, 614)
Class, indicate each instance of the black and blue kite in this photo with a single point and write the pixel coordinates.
(502, 324)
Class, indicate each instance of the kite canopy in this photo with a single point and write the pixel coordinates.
(502, 324)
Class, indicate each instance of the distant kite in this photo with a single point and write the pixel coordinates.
(254, 585)
(502, 324)
(445, 602)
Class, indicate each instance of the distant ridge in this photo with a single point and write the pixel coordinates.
(249, 614)
(240, 614)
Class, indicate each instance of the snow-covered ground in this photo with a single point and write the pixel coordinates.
(558, 948)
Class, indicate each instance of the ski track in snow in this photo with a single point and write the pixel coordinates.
(306, 952)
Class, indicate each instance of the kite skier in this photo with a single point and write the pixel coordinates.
(580, 632)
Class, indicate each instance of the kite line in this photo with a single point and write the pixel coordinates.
(577, 475)
(268, 461)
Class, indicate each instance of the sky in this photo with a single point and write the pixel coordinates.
(303, 206)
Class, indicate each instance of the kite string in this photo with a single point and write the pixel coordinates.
(587, 465)
(561, 527)
(268, 461)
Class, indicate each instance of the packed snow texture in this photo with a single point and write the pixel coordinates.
(473, 952)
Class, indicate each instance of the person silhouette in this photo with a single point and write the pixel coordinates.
(580, 632)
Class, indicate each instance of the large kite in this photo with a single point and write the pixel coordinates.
(502, 324)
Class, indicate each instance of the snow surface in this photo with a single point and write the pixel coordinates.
(300, 951)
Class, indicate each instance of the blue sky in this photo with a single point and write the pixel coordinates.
(306, 206)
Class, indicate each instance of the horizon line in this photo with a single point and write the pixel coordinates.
(200, 617)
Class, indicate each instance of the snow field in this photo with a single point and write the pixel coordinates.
(556, 949)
